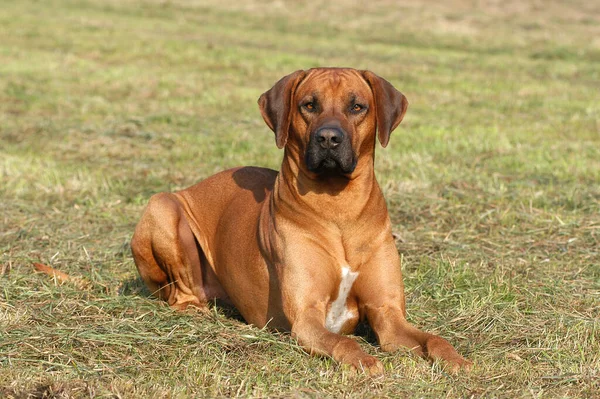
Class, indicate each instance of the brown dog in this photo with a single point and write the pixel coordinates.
(308, 249)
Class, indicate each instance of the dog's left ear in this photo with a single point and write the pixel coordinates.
(390, 106)
(276, 104)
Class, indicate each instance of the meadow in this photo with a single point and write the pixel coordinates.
(492, 182)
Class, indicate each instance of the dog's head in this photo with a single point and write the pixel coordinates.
(329, 117)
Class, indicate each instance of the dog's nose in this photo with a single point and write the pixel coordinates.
(329, 137)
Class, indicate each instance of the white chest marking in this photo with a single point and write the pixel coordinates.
(338, 313)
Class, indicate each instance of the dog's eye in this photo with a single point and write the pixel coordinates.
(309, 106)
(357, 108)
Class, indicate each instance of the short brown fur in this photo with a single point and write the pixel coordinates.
(273, 243)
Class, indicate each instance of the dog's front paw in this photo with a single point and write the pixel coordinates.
(363, 363)
(455, 365)
(440, 349)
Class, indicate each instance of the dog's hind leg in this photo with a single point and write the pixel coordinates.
(167, 254)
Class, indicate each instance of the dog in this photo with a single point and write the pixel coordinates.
(308, 249)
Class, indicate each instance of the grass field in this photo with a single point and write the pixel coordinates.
(492, 180)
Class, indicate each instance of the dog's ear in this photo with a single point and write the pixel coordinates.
(390, 106)
(276, 104)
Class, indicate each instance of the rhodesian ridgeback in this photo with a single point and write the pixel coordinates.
(308, 249)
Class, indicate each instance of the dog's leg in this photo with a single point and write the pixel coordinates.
(309, 284)
(311, 333)
(166, 254)
(394, 331)
(381, 294)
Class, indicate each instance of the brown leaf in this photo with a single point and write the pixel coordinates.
(61, 277)
(49, 270)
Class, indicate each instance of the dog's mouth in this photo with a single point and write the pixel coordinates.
(327, 163)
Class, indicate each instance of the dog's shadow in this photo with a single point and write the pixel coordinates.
(136, 287)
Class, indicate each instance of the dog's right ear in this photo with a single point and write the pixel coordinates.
(276, 104)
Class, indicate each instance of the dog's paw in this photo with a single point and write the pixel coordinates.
(457, 365)
(364, 363)
(440, 350)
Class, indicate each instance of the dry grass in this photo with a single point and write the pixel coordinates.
(493, 185)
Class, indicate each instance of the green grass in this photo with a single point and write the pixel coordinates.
(492, 180)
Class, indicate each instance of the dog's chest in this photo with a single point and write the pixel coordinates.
(339, 313)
